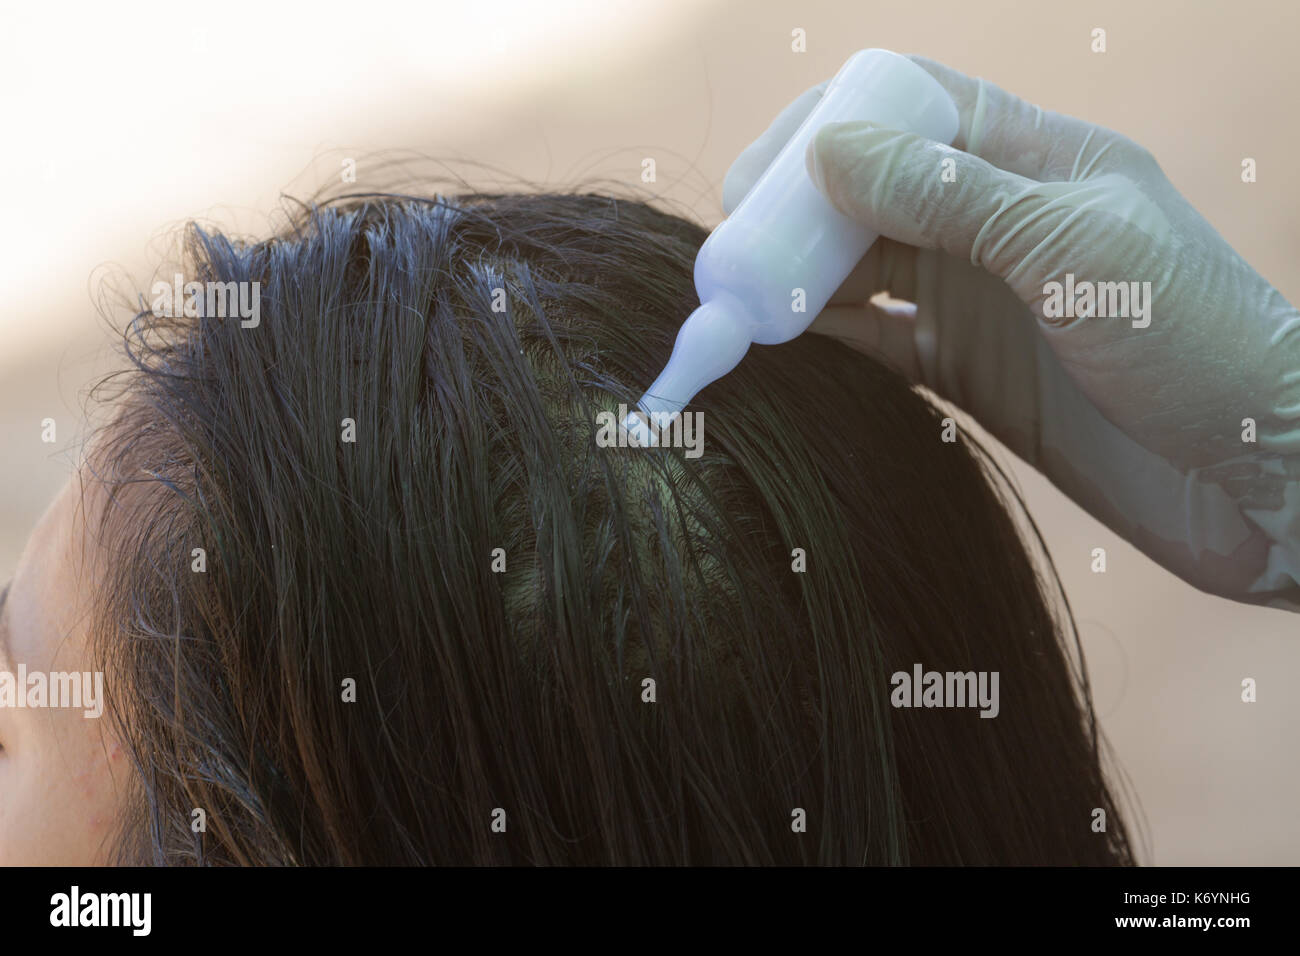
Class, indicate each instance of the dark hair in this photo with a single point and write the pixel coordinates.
(523, 690)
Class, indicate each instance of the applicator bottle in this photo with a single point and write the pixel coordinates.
(770, 267)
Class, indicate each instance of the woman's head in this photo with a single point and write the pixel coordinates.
(367, 589)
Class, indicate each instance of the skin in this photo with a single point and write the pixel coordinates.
(60, 772)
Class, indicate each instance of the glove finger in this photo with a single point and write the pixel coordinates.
(917, 191)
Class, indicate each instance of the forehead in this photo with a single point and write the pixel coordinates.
(45, 611)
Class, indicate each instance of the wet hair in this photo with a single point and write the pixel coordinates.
(436, 621)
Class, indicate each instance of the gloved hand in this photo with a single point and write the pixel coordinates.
(1138, 419)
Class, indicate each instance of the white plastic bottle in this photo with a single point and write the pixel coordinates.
(785, 236)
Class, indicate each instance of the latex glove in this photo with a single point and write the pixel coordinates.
(1141, 426)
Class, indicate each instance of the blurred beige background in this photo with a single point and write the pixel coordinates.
(126, 120)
